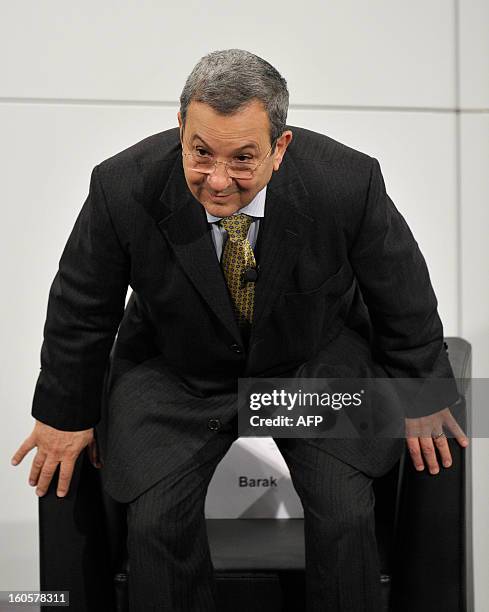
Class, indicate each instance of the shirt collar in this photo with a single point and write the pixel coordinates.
(256, 208)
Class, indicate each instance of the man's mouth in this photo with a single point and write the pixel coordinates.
(219, 196)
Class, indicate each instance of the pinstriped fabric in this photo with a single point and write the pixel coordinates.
(237, 257)
(170, 568)
(342, 560)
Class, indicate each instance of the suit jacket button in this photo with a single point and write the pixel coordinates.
(214, 424)
(236, 348)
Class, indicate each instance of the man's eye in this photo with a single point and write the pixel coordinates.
(244, 158)
(202, 153)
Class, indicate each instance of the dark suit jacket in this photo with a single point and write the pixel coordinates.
(343, 290)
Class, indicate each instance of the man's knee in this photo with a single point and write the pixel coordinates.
(341, 514)
(165, 530)
(163, 512)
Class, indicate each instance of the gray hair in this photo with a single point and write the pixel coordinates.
(229, 80)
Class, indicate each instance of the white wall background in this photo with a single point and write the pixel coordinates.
(406, 82)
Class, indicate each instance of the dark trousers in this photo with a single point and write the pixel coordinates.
(170, 568)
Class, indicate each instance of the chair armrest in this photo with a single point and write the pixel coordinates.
(432, 566)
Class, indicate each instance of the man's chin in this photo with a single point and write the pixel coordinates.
(221, 209)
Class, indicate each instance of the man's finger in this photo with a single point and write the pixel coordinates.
(47, 473)
(36, 467)
(65, 475)
(441, 444)
(93, 455)
(429, 454)
(457, 431)
(27, 445)
(415, 452)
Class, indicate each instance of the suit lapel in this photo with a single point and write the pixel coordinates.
(281, 236)
(183, 222)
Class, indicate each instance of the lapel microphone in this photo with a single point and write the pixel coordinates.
(249, 275)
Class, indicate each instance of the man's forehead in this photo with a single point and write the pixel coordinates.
(238, 143)
(248, 126)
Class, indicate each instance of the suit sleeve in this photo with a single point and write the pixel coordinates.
(396, 287)
(85, 306)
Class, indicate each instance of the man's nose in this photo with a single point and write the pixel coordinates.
(218, 179)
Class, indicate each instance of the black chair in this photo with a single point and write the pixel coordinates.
(423, 525)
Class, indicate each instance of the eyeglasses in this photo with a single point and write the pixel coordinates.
(202, 161)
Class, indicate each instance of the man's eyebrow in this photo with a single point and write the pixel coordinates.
(249, 145)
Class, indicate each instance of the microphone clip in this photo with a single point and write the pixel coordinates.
(249, 275)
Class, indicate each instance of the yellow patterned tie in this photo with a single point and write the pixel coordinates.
(236, 258)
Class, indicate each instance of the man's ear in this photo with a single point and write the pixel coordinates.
(180, 125)
(280, 148)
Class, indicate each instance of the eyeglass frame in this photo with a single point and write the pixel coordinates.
(227, 163)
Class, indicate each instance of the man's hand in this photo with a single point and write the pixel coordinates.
(423, 435)
(53, 446)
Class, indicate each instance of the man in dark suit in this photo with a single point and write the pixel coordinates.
(252, 250)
